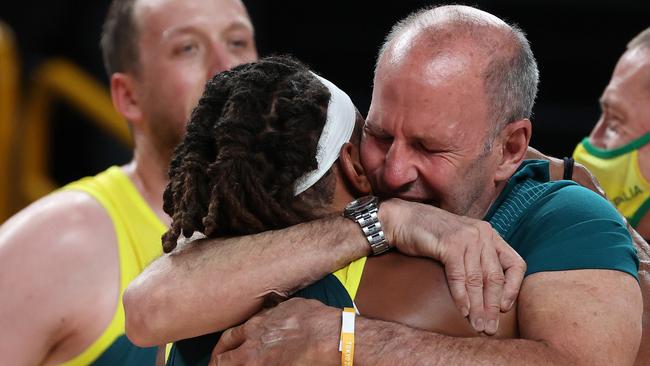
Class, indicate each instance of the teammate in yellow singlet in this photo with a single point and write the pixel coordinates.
(71, 254)
(617, 152)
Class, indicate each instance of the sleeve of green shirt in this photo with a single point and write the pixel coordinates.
(574, 228)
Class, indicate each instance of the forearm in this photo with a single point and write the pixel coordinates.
(385, 343)
(580, 317)
(215, 284)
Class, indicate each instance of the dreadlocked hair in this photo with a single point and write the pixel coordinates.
(254, 132)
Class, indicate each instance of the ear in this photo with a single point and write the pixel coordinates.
(352, 171)
(125, 98)
(515, 138)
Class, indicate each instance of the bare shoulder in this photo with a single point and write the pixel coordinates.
(61, 255)
(59, 228)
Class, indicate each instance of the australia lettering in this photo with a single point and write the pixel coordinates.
(627, 195)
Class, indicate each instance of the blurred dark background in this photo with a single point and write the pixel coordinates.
(577, 44)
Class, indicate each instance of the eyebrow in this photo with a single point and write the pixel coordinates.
(240, 25)
(612, 105)
(192, 28)
(373, 128)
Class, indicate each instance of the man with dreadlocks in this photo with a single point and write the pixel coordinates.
(67, 258)
(271, 145)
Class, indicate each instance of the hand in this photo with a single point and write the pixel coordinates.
(484, 273)
(296, 332)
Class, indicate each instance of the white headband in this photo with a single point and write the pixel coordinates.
(341, 116)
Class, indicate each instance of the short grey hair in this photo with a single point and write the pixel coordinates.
(641, 40)
(511, 81)
(511, 78)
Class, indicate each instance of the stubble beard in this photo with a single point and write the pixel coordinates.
(469, 201)
(166, 135)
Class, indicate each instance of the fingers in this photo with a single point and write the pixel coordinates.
(494, 280)
(228, 358)
(483, 272)
(284, 335)
(230, 339)
(484, 276)
(474, 284)
(455, 272)
(514, 269)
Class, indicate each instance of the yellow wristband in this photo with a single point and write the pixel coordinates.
(346, 344)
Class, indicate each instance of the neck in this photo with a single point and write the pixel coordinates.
(148, 172)
(498, 188)
(482, 204)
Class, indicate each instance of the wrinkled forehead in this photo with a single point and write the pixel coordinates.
(428, 94)
(431, 68)
(439, 58)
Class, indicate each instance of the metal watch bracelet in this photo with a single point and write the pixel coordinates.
(364, 211)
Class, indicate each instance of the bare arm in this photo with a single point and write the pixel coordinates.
(214, 285)
(582, 317)
(565, 318)
(55, 269)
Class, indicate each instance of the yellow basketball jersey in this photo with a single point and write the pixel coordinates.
(138, 231)
(350, 276)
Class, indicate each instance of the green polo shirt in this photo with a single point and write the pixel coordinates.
(559, 225)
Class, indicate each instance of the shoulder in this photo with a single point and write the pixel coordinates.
(564, 204)
(571, 227)
(64, 220)
(565, 199)
(61, 253)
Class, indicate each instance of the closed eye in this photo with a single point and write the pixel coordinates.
(427, 149)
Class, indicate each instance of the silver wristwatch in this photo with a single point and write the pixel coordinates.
(364, 212)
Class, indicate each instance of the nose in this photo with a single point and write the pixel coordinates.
(598, 136)
(399, 168)
(221, 59)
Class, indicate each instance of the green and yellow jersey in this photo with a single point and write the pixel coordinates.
(138, 231)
